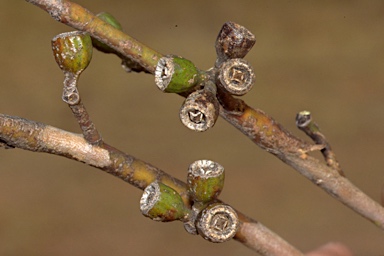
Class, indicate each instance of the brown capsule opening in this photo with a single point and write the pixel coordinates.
(197, 117)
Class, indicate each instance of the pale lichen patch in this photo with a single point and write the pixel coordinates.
(74, 145)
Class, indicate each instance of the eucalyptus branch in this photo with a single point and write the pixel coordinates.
(20, 133)
(254, 123)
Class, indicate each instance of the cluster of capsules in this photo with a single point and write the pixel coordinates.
(200, 209)
(231, 74)
(204, 92)
(208, 216)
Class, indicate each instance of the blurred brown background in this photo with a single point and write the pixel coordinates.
(322, 56)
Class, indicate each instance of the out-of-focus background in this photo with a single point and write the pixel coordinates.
(322, 56)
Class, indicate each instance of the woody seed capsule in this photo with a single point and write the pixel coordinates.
(234, 41)
(162, 203)
(218, 223)
(175, 74)
(72, 51)
(237, 76)
(200, 109)
(205, 180)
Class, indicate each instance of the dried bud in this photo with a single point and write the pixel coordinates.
(237, 76)
(205, 180)
(176, 74)
(305, 123)
(217, 223)
(72, 51)
(200, 109)
(162, 203)
(303, 119)
(233, 41)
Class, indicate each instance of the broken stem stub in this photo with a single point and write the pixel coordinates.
(305, 123)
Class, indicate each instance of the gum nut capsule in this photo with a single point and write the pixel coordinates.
(200, 110)
(205, 180)
(175, 74)
(72, 51)
(237, 76)
(217, 223)
(162, 203)
(234, 41)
